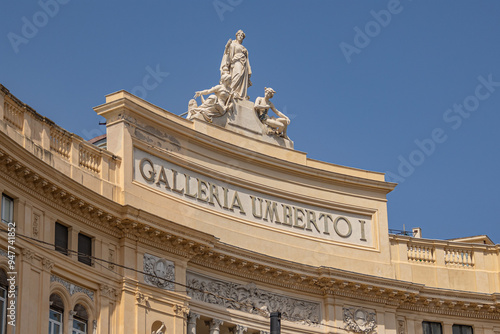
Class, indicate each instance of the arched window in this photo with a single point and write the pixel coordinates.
(80, 320)
(56, 314)
(3, 301)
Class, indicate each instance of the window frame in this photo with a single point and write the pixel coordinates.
(7, 199)
(430, 323)
(55, 322)
(76, 330)
(461, 327)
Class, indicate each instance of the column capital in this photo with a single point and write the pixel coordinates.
(214, 325)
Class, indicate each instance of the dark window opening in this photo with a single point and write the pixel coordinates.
(84, 249)
(61, 239)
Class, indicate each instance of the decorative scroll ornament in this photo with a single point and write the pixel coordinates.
(248, 298)
(359, 320)
(161, 272)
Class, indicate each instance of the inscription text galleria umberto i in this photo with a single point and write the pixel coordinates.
(167, 177)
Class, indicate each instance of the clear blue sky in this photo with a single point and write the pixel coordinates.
(410, 87)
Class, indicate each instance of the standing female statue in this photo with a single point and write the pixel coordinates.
(235, 62)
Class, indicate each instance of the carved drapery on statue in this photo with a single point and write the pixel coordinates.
(248, 298)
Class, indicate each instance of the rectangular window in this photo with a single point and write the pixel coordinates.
(7, 209)
(61, 240)
(462, 329)
(3, 309)
(55, 322)
(84, 249)
(431, 327)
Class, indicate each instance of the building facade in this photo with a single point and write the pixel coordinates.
(182, 226)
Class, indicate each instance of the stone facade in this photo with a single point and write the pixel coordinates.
(226, 229)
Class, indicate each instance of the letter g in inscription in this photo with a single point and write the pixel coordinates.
(152, 173)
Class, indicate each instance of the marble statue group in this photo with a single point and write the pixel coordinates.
(235, 73)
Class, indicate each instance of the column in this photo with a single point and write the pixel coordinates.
(191, 325)
(214, 325)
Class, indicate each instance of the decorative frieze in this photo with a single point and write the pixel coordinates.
(160, 272)
(248, 298)
(359, 320)
(72, 288)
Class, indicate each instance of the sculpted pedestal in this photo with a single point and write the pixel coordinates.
(243, 120)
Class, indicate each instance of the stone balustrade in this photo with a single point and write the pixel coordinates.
(65, 151)
(447, 264)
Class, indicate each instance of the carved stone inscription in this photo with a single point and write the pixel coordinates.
(161, 272)
(359, 320)
(248, 298)
(239, 202)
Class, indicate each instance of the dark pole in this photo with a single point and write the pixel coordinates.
(275, 322)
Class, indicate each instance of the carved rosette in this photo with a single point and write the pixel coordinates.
(359, 320)
(248, 298)
(160, 272)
